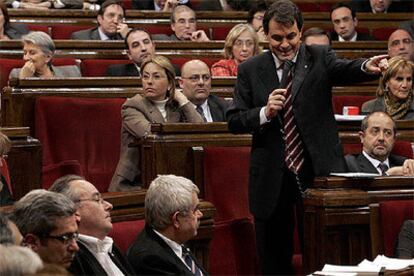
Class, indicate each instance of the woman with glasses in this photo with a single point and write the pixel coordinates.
(159, 103)
(38, 51)
(241, 43)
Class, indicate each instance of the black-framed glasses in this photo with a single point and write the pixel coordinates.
(66, 239)
(196, 78)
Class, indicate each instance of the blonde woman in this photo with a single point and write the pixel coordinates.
(395, 91)
(160, 103)
(241, 43)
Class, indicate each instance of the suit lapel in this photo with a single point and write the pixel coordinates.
(365, 165)
(268, 76)
(154, 114)
(303, 63)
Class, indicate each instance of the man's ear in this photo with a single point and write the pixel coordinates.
(129, 54)
(99, 18)
(175, 220)
(181, 83)
(32, 241)
(356, 21)
(173, 27)
(361, 136)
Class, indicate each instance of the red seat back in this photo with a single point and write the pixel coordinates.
(383, 33)
(53, 171)
(4, 171)
(180, 61)
(124, 233)
(38, 28)
(83, 129)
(338, 102)
(65, 31)
(98, 67)
(392, 216)
(220, 33)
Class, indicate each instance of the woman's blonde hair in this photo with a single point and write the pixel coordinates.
(5, 144)
(395, 65)
(164, 63)
(232, 36)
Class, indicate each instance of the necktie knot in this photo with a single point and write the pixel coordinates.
(287, 73)
(200, 110)
(384, 168)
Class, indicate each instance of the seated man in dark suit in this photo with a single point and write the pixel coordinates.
(140, 46)
(171, 219)
(97, 253)
(184, 25)
(196, 84)
(344, 21)
(378, 132)
(111, 26)
(405, 242)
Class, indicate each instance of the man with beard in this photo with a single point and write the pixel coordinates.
(378, 132)
(97, 253)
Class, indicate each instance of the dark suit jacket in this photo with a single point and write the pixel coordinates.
(150, 255)
(172, 37)
(5, 196)
(143, 5)
(16, 31)
(317, 69)
(90, 34)
(405, 242)
(86, 264)
(218, 108)
(359, 163)
(116, 70)
(360, 37)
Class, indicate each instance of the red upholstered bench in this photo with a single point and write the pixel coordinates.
(83, 129)
(98, 67)
(180, 61)
(124, 233)
(338, 102)
(65, 31)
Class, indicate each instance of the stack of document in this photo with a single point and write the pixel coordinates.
(367, 268)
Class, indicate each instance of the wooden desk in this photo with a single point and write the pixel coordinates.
(24, 161)
(337, 217)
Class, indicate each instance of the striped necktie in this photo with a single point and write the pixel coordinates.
(294, 157)
(200, 110)
(384, 168)
(190, 262)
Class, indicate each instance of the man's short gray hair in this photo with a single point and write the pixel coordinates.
(17, 260)
(62, 186)
(36, 212)
(166, 195)
(42, 40)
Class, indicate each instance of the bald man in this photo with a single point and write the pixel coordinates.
(195, 82)
(400, 43)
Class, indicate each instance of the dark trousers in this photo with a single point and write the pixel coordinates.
(274, 235)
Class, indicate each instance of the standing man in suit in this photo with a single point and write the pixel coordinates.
(344, 21)
(378, 132)
(140, 47)
(111, 24)
(286, 156)
(172, 218)
(184, 25)
(196, 84)
(97, 253)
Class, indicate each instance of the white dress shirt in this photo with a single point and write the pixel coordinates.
(376, 162)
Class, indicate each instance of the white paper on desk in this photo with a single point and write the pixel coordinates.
(372, 270)
(322, 273)
(393, 264)
(340, 117)
(356, 175)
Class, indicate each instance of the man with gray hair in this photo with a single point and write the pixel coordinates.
(171, 219)
(49, 225)
(97, 253)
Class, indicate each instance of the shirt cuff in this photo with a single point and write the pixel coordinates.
(363, 67)
(263, 118)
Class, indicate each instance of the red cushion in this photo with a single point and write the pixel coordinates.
(98, 67)
(4, 171)
(220, 33)
(53, 171)
(38, 28)
(392, 215)
(180, 61)
(82, 129)
(127, 4)
(383, 33)
(65, 31)
(125, 232)
(159, 29)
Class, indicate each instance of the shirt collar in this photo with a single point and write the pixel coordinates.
(102, 35)
(353, 38)
(279, 63)
(172, 244)
(96, 245)
(375, 162)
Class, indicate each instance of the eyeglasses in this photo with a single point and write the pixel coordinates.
(66, 239)
(247, 43)
(97, 198)
(196, 78)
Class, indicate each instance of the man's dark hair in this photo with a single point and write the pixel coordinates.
(315, 31)
(107, 3)
(256, 7)
(284, 12)
(343, 5)
(364, 123)
(133, 30)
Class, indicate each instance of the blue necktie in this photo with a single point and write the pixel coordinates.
(190, 262)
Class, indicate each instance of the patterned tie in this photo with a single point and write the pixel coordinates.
(293, 144)
(190, 262)
(383, 167)
(200, 110)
